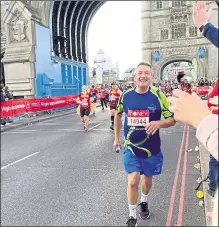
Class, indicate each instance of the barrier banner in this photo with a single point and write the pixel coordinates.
(20, 106)
(12, 108)
(32, 105)
(57, 102)
(203, 90)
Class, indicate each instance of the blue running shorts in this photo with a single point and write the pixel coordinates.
(148, 166)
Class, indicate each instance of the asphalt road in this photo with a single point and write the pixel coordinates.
(53, 174)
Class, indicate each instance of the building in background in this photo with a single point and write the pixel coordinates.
(169, 36)
(44, 44)
(103, 71)
(128, 76)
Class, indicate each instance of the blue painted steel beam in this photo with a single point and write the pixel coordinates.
(70, 29)
(77, 42)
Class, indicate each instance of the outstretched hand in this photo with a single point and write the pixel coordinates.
(189, 109)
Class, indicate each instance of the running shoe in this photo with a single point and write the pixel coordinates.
(85, 129)
(144, 211)
(131, 222)
(112, 127)
(210, 192)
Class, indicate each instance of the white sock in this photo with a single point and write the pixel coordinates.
(132, 211)
(144, 198)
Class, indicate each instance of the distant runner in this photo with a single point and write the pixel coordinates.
(102, 93)
(114, 95)
(84, 101)
(94, 93)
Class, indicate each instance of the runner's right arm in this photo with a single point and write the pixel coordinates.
(78, 99)
(117, 120)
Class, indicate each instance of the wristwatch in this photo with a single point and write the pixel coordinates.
(201, 28)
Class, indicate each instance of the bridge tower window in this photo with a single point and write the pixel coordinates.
(159, 4)
(164, 33)
(193, 31)
(178, 4)
(178, 31)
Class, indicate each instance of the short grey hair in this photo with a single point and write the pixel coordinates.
(144, 63)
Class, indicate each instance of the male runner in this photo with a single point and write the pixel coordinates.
(85, 103)
(94, 93)
(103, 97)
(143, 107)
(114, 95)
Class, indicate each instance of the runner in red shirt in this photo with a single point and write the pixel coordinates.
(94, 93)
(85, 103)
(102, 93)
(114, 95)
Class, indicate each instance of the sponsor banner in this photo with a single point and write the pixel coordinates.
(20, 106)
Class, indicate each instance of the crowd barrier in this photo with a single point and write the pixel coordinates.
(17, 107)
(203, 90)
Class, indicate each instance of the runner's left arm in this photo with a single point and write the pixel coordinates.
(166, 113)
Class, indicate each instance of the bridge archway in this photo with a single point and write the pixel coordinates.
(158, 69)
(69, 22)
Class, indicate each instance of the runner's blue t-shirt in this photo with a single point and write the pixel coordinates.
(140, 109)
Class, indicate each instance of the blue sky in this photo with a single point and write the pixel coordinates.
(116, 29)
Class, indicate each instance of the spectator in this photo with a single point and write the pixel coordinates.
(2, 93)
(213, 163)
(200, 117)
(213, 176)
(201, 17)
(8, 94)
(201, 82)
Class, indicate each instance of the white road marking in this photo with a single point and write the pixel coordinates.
(25, 130)
(95, 126)
(67, 130)
(105, 129)
(4, 167)
(59, 130)
(15, 132)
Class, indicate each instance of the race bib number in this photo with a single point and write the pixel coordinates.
(112, 98)
(138, 117)
(84, 103)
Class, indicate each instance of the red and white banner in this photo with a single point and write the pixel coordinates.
(203, 90)
(20, 106)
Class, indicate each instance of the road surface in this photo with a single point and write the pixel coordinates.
(53, 174)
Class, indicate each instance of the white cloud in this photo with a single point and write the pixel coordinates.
(116, 29)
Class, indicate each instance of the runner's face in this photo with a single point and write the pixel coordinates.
(114, 87)
(143, 77)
